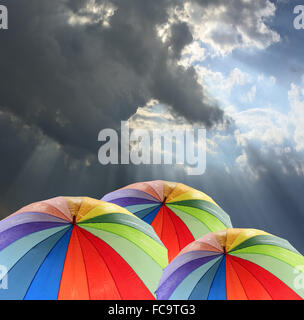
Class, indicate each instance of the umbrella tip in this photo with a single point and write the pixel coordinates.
(74, 219)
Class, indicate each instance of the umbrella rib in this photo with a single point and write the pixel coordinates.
(238, 278)
(149, 193)
(194, 217)
(83, 233)
(34, 245)
(219, 263)
(264, 254)
(172, 191)
(235, 260)
(179, 247)
(64, 265)
(133, 242)
(84, 261)
(44, 259)
(64, 217)
(159, 199)
(67, 218)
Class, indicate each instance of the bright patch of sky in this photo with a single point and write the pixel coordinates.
(248, 59)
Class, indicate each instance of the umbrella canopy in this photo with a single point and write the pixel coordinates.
(235, 264)
(178, 213)
(79, 248)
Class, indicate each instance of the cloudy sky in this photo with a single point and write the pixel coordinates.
(69, 68)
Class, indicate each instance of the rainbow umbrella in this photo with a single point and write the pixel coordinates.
(79, 248)
(179, 214)
(235, 264)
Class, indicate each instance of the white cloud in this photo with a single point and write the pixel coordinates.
(93, 13)
(273, 134)
(154, 115)
(233, 24)
(251, 94)
(296, 114)
(272, 80)
(192, 53)
(218, 82)
(269, 81)
(266, 126)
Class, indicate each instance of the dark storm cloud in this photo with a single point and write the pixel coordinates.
(72, 80)
(180, 37)
(61, 83)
